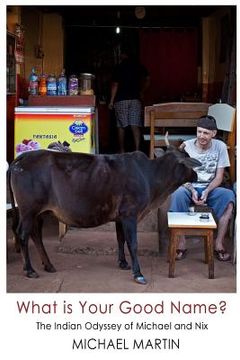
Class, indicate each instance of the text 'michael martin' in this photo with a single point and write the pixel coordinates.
(123, 344)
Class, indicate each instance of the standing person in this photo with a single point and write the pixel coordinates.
(213, 155)
(128, 83)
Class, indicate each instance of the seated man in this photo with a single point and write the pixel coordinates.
(213, 155)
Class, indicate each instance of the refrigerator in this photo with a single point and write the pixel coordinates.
(36, 127)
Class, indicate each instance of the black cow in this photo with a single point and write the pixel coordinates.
(89, 190)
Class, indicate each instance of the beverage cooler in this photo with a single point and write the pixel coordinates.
(36, 127)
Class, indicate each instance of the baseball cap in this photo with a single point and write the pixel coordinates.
(207, 122)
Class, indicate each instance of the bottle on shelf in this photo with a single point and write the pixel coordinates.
(51, 85)
(62, 84)
(73, 85)
(33, 83)
(42, 89)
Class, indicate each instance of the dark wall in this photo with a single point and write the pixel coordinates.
(96, 50)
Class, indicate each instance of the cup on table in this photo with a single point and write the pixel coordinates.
(191, 210)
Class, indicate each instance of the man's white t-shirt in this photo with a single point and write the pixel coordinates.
(214, 157)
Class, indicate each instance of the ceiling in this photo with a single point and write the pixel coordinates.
(155, 16)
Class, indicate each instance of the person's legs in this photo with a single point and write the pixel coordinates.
(180, 200)
(135, 121)
(136, 136)
(218, 199)
(121, 113)
(121, 139)
(222, 201)
(222, 229)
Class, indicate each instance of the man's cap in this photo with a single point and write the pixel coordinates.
(207, 122)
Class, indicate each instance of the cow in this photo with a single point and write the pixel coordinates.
(86, 190)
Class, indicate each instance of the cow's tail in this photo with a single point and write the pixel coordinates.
(15, 212)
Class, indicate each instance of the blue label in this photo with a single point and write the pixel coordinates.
(78, 128)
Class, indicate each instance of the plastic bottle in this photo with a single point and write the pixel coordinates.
(42, 89)
(62, 84)
(73, 85)
(52, 85)
(33, 83)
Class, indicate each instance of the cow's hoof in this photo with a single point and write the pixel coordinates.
(140, 280)
(32, 275)
(124, 265)
(49, 268)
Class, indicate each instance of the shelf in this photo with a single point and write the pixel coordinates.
(78, 100)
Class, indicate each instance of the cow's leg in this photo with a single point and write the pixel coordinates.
(123, 264)
(130, 234)
(23, 233)
(15, 221)
(37, 239)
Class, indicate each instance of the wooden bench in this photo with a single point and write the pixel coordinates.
(171, 116)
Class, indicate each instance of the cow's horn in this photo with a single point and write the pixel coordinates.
(166, 140)
(169, 147)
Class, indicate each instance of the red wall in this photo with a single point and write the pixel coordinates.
(170, 56)
(11, 103)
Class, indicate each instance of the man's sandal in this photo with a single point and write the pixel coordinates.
(181, 254)
(222, 255)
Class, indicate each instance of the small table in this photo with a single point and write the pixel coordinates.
(181, 224)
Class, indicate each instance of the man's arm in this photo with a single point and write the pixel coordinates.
(194, 192)
(144, 85)
(113, 94)
(217, 181)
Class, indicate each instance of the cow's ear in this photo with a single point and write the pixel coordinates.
(191, 162)
(158, 152)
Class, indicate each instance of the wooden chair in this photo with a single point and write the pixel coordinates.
(225, 116)
(167, 116)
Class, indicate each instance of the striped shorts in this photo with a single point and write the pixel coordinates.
(128, 112)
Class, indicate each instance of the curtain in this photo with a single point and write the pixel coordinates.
(170, 55)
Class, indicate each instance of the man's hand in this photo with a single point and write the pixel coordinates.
(194, 196)
(110, 106)
(203, 198)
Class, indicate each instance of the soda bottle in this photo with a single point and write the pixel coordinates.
(62, 84)
(33, 83)
(42, 89)
(73, 85)
(52, 85)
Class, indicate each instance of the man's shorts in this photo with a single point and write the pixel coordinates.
(128, 112)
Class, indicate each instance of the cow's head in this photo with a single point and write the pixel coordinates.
(185, 165)
(180, 164)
